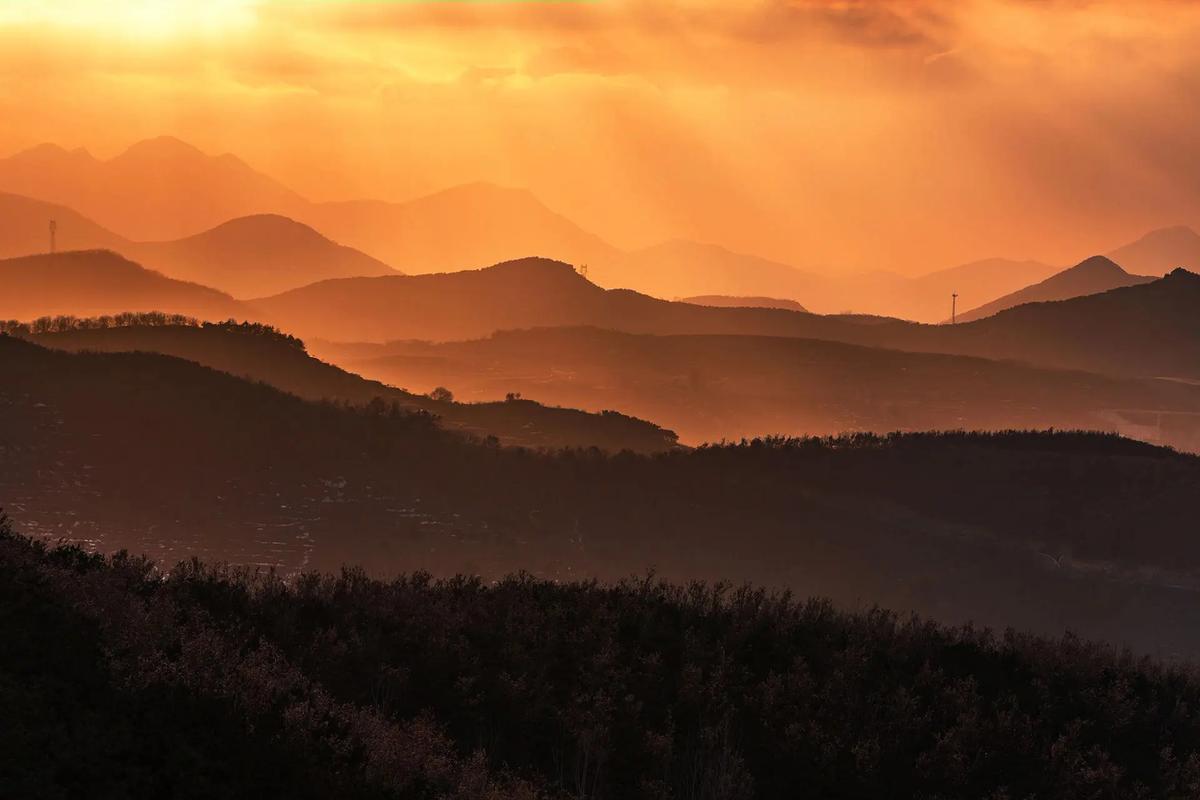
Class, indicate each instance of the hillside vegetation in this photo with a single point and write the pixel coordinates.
(165, 457)
(261, 353)
(118, 682)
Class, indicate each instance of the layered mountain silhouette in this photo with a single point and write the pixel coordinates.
(25, 228)
(95, 282)
(257, 255)
(160, 188)
(248, 256)
(684, 268)
(458, 228)
(1096, 274)
(710, 388)
(680, 268)
(1151, 329)
(725, 301)
(529, 292)
(166, 457)
(1148, 330)
(165, 189)
(1161, 251)
(250, 351)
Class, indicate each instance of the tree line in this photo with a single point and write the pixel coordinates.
(118, 679)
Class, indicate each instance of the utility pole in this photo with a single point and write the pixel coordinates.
(53, 234)
(954, 308)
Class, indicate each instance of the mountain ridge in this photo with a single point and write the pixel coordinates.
(1090, 276)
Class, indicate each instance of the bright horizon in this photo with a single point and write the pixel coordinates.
(832, 136)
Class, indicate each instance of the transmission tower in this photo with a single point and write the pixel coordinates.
(582, 269)
(53, 235)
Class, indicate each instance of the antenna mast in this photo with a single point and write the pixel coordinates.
(53, 234)
(954, 308)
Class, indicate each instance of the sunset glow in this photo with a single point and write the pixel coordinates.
(834, 136)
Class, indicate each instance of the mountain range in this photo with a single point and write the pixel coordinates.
(259, 354)
(1146, 330)
(245, 257)
(164, 189)
(1161, 251)
(169, 458)
(1096, 274)
(713, 387)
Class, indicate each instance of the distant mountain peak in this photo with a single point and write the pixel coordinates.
(1097, 265)
(49, 152)
(162, 147)
(257, 223)
(1173, 231)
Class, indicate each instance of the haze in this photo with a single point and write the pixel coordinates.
(834, 136)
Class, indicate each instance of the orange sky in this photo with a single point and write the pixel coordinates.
(832, 134)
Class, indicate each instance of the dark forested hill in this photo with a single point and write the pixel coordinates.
(1040, 531)
(709, 388)
(263, 354)
(114, 682)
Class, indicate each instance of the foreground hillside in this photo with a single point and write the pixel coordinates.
(118, 683)
(709, 388)
(1040, 531)
(263, 354)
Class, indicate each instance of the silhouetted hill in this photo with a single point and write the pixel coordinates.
(1037, 531)
(97, 282)
(1161, 251)
(258, 354)
(516, 294)
(160, 188)
(257, 255)
(24, 228)
(1149, 330)
(428, 234)
(725, 301)
(163, 189)
(1152, 329)
(1092, 276)
(338, 685)
(710, 388)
